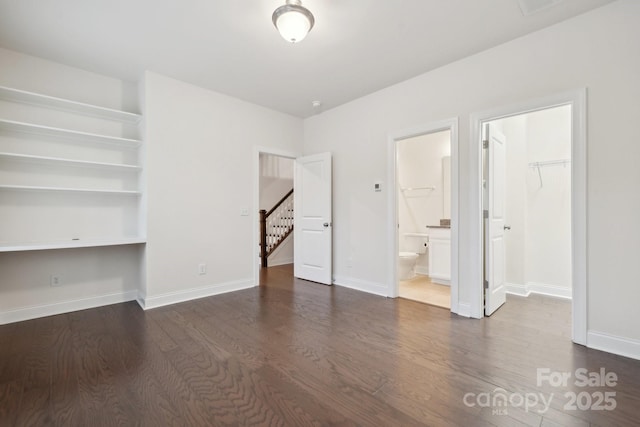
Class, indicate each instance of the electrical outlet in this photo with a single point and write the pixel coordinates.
(55, 280)
(202, 269)
(244, 212)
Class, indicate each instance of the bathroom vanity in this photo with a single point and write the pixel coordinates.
(440, 254)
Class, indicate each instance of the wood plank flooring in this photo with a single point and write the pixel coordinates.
(295, 353)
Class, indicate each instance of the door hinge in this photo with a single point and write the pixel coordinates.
(485, 143)
(486, 284)
(485, 214)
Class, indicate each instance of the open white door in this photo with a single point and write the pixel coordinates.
(495, 290)
(312, 218)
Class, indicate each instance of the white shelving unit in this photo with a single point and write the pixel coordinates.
(70, 244)
(25, 97)
(67, 189)
(70, 162)
(66, 133)
(39, 208)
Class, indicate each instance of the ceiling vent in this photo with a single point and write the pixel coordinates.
(529, 7)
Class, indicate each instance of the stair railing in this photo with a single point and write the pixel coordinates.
(275, 226)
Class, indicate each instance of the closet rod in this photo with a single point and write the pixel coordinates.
(538, 165)
(549, 163)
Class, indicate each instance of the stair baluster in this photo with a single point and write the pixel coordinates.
(275, 226)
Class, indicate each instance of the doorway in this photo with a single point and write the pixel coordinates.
(307, 203)
(424, 218)
(542, 165)
(275, 204)
(537, 202)
(423, 188)
(273, 178)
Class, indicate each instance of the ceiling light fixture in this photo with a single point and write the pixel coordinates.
(293, 21)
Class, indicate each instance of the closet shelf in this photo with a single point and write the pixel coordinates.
(59, 132)
(72, 162)
(69, 244)
(25, 97)
(71, 190)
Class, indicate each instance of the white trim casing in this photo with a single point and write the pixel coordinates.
(392, 203)
(44, 310)
(578, 101)
(464, 309)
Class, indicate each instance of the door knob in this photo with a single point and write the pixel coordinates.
(507, 227)
(326, 224)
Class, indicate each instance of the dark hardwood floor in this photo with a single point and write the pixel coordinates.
(297, 353)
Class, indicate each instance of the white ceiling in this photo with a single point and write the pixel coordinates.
(231, 46)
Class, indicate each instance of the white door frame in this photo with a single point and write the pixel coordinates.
(578, 101)
(253, 216)
(392, 202)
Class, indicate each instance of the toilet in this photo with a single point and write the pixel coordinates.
(414, 244)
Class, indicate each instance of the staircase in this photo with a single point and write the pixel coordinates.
(275, 226)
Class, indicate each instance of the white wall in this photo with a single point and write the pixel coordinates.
(538, 246)
(597, 50)
(200, 176)
(90, 276)
(420, 165)
(276, 180)
(548, 221)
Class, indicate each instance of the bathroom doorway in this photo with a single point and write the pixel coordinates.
(425, 235)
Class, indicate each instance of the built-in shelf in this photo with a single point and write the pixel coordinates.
(59, 132)
(66, 189)
(69, 244)
(23, 96)
(71, 162)
(70, 213)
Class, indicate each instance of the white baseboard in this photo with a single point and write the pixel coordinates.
(538, 288)
(362, 285)
(273, 263)
(626, 347)
(168, 298)
(422, 270)
(549, 290)
(34, 312)
(517, 289)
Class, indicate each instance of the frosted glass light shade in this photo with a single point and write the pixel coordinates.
(293, 21)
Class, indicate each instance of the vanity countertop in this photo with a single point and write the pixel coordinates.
(438, 226)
